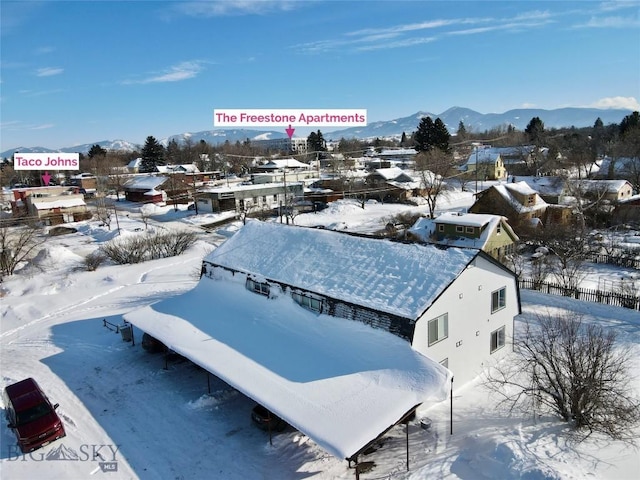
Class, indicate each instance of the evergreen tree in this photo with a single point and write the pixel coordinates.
(424, 135)
(316, 142)
(152, 155)
(462, 131)
(172, 153)
(598, 137)
(403, 139)
(96, 151)
(441, 135)
(535, 131)
(432, 135)
(629, 123)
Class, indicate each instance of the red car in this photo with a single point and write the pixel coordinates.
(31, 415)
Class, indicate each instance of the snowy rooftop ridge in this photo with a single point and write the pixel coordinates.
(401, 279)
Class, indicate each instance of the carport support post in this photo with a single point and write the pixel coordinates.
(407, 435)
(451, 407)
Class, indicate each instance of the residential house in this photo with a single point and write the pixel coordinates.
(627, 211)
(381, 176)
(170, 169)
(610, 190)
(53, 205)
(281, 164)
(626, 168)
(282, 170)
(551, 189)
(517, 201)
(249, 198)
(146, 189)
(318, 268)
(387, 157)
(394, 183)
(134, 165)
(316, 293)
(486, 164)
(489, 233)
(87, 183)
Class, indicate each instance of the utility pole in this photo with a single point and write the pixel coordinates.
(195, 199)
(284, 171)
(476, 148)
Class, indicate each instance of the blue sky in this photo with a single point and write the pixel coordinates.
(77, 72)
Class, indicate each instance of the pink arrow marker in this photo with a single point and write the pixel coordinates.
(46, 178)
(290, 131)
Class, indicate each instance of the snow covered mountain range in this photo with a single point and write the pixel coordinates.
(473, 121)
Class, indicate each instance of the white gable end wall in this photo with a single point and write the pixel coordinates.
(467, 303)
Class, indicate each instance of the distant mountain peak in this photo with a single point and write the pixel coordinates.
(473, 122)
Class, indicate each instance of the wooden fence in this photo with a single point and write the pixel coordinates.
(598, 296)
(620, 261)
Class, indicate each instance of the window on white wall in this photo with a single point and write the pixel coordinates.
(497, 339)
(438, 328)
(498, 299)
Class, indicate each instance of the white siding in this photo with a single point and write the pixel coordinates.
(467, 302)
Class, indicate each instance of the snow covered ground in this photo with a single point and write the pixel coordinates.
(123, 410)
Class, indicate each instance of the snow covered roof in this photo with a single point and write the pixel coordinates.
(609, 186)
(142, 182)
(401, 279)
(188, 168)
(394, 173)
(284, 163)
(549, 185)
(619, 165)
(508, 189)
(238, 187)
(483, 155)
(425, 228)
(59, 202)
(135, 163)
(340, 382)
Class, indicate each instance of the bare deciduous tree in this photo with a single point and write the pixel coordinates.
(17, 244)
(572, 369)
(570, 246)
(433, 167)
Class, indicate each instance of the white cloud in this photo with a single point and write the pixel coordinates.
(611, 22)
(175, 73)
(617, 5)
(19, 125)
(49, 71)
(44, 50)
(528, 105)
(409, 42)
(218, 8)
(630, 103)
